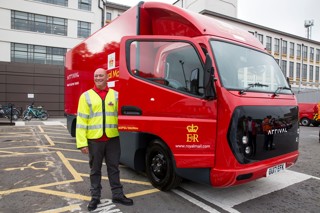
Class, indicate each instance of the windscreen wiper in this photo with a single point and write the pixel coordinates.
(279, 89)
(241, 92)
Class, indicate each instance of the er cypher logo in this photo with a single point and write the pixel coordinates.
(192, 135)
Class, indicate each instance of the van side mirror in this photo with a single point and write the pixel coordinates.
(208, 80)
(288, 80)
(194, 81)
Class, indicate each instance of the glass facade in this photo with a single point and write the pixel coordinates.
(28, 53)
(57, 2)
(38, 23)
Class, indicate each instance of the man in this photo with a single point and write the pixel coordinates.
(97, 135)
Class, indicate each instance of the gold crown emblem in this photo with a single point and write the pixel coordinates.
(192, 128)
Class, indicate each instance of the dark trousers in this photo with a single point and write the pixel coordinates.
(110, 152)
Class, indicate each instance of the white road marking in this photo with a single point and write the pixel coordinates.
(195, 201)
(227, 198)
(52, 123)
(47, 123)
(19, 123)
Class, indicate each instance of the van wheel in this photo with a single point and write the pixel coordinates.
(305, 121)
(160, 168)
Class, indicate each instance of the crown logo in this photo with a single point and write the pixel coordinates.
(192, 128)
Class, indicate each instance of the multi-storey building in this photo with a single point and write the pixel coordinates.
(35, 35)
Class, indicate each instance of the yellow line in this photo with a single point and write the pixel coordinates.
(70, 150)
(41, 130)
(141, 193)
(23, 147)
(14, 154)
(37, 186)
(44, 146)
(64, 137)
(6, 152)
(74, 173)
(49, 140)
(62, 194)
(63, 209)
(67, 143)
(77, 160)
(15, 136)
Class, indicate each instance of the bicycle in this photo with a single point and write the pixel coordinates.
(9, 111)
(35, 112)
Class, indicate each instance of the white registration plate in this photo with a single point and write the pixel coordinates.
(276, 169)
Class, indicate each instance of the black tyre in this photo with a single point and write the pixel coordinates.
(160, 168)
(44, 116)
(305, 122)
(26, 116)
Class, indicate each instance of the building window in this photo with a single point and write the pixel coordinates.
(84, 29)
(304, 72)
(28, 53)
(311, 54)
(84, 5)
(57, 2)
(269, 43)
(291, 69)
(276, 45)
(284, 67)
(284, 47)
(311, 73)
(108, 16)
(298, 69)
(317, 74)
(298, 51)
(305, 52)
(260, 37)
(291, 50)
(318, 55)
(38, 23)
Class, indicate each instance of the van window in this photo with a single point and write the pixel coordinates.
(174, 65)
(242, 68)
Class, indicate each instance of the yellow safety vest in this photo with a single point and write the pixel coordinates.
(96, 116)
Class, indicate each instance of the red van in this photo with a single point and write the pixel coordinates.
(307, 112)
(198, 98)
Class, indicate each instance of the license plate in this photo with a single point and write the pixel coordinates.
(276, 169)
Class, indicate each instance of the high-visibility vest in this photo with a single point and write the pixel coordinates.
(96, 116)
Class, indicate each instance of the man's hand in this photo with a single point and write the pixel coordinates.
(85, 150)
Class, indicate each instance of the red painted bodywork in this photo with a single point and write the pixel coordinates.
(307, 110)
(166, 113)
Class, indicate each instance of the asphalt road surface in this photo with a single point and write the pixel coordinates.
(42, 171)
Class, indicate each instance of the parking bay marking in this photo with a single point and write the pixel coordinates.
(226, 198)
(38, 165)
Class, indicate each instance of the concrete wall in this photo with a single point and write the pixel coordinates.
(20, 81)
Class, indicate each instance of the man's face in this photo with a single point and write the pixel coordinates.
(100, 78)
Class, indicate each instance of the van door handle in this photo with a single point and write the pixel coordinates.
(131, 110)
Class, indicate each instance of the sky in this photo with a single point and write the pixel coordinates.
(284, 15)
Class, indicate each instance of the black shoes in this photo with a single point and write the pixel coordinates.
(93, 204)
(123, 200)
